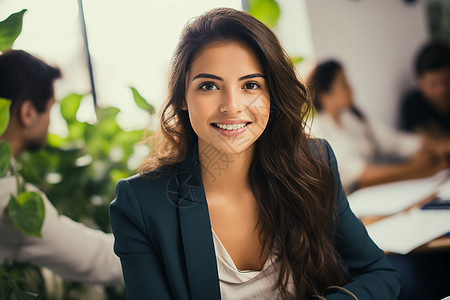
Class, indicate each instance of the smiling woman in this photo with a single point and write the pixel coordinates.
(227, 95)
(235, 201)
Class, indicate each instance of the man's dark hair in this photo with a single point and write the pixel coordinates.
(433, 56)
(25, 77)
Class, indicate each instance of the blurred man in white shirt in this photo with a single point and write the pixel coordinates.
(68, 248)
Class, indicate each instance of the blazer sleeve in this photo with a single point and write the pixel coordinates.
(371, 274)
(142, 265)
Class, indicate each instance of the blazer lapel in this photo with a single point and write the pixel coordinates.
(196, 231)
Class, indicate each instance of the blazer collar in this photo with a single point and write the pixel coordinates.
(196, 230)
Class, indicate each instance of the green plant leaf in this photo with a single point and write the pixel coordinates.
(77, 131)
(296, 59)
(141, 102)
(5, 157)
(69, 107)
(267, 11)
(55, 140)
(27, 213)
(105, 113)
(116, 174)
(4, 114)
(10, 29)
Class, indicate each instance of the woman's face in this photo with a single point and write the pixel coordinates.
(340, 93)
(227, 97)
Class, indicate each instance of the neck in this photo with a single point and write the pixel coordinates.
(14, 143)
(334, 112)
(224, 174)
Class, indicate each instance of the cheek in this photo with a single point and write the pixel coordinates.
(261, 109)
(342, 94)
(434, 89)
(194, 119)
(199, 110)
(266, 109)
(429, 85)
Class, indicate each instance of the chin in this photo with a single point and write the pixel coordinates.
(228, 147)
(35, 145)
(235, 148)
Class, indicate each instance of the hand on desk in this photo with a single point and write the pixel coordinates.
(430, 160)
(438, 147)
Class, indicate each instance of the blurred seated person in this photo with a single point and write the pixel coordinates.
(367, 153)
(68, 248)
(427, 108)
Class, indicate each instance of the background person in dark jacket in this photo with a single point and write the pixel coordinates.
(427, 108)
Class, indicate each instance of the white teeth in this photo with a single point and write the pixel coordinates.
(230, 126)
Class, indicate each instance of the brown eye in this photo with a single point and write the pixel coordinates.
(251, 86)
(208, 86)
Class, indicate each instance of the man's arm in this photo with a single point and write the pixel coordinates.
(423, 164)
(68, 248)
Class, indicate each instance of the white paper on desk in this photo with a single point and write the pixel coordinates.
(444, 190)
(391, 198)
(404, 232)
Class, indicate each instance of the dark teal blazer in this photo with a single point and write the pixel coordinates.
(164, 240)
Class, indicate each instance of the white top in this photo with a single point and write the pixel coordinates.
(68, 248)
(245, 285)
(357, 143)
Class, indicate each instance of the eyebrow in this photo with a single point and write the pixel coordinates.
(254, 75)
(210, 76)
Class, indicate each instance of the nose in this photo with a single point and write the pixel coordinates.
(231, 103)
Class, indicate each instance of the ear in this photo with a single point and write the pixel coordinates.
(184, 105)
(27, 113)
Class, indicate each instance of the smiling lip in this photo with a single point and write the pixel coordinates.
(231, 127)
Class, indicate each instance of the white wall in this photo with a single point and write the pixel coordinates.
(131, 44)
(376, 40)
(294, 31)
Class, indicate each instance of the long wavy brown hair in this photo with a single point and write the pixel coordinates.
(293, 187)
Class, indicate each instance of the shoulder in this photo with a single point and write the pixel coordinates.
(150, 181)
(323, 152)
(321, 124)
(8, 187)
(321, 149)
(148, 185)
(146, 195)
